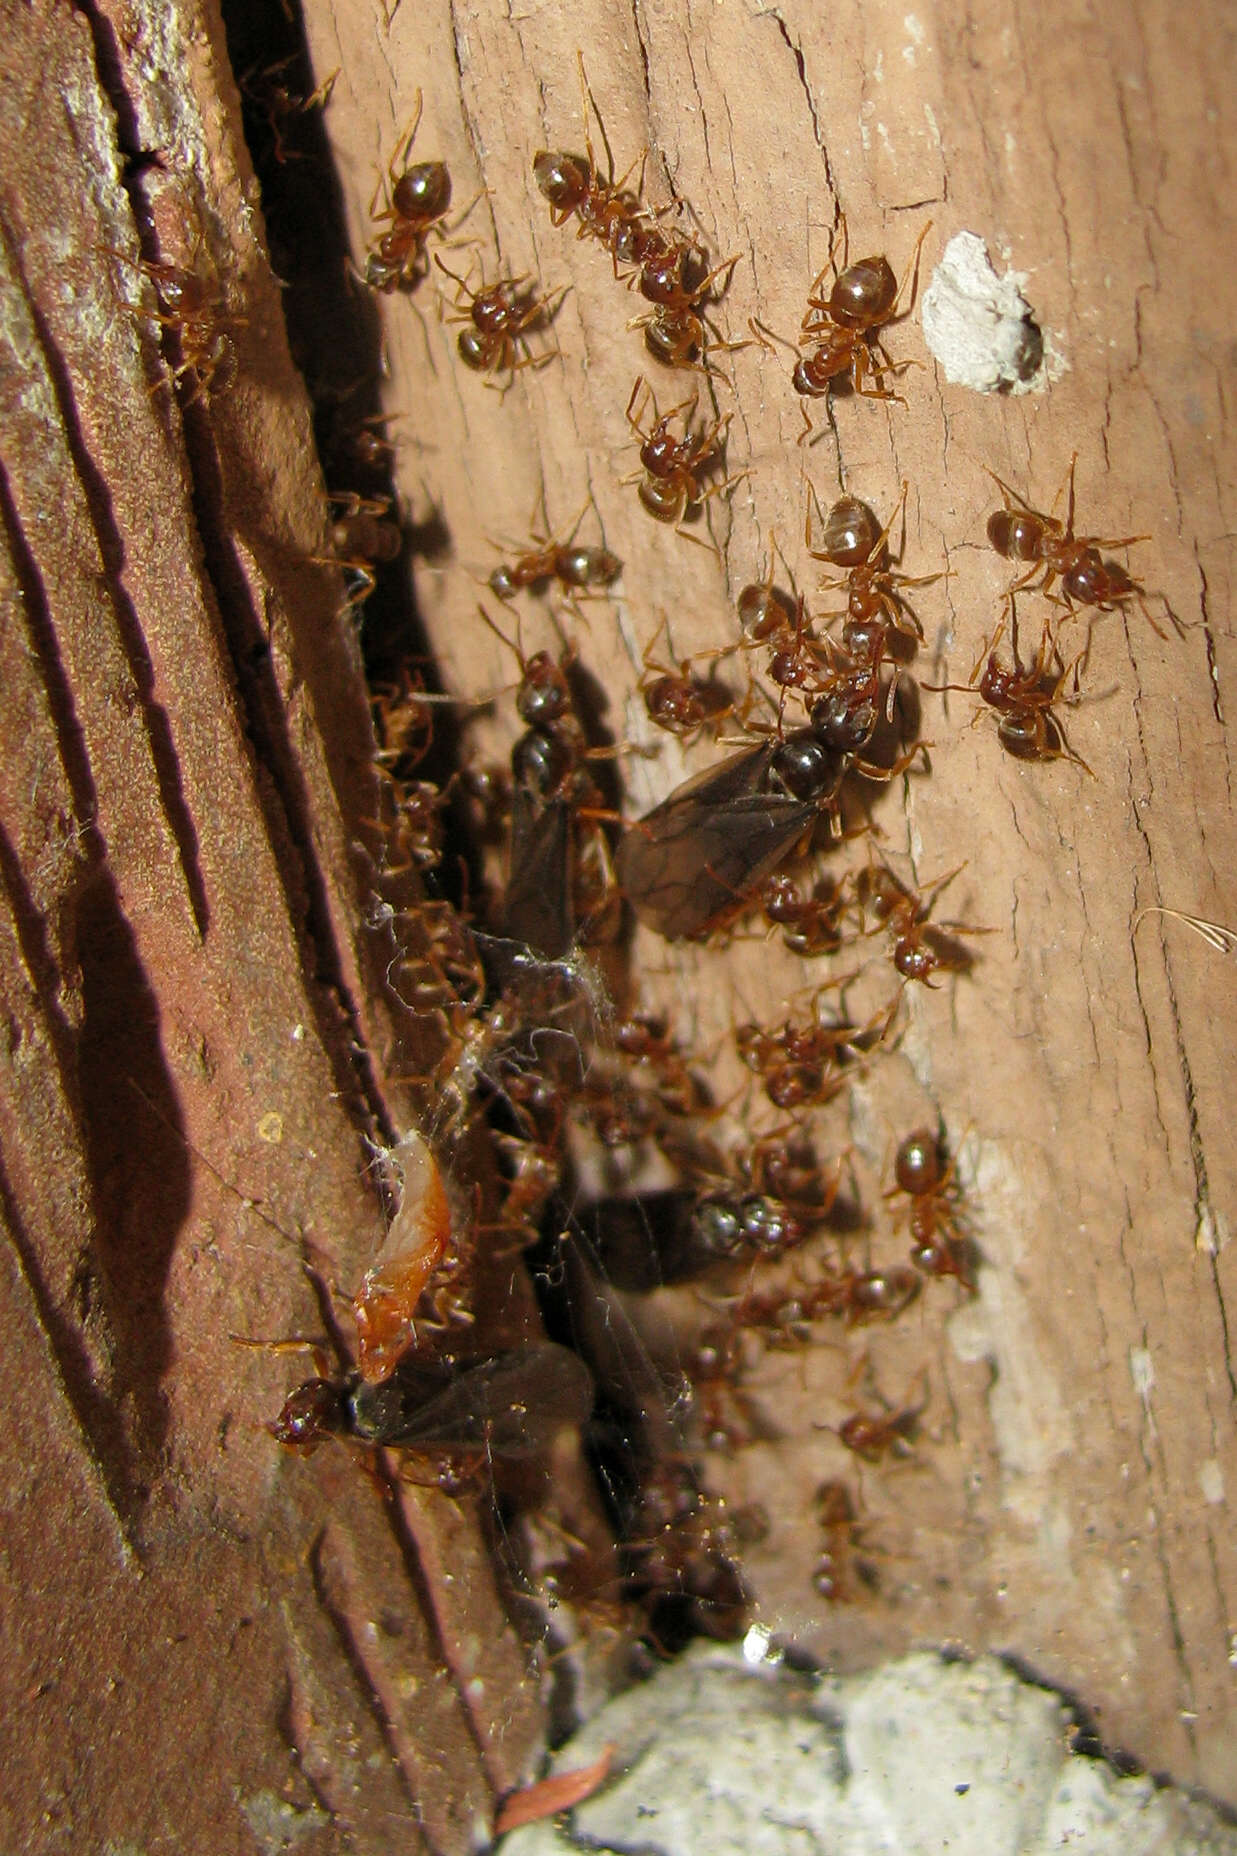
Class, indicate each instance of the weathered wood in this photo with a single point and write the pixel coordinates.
(1071, 1499)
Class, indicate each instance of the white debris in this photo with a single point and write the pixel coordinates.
(719, 1757)
(980, 327)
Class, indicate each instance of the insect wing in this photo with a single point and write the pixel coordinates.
(512, 1405)
(538, 904)
(693, 858)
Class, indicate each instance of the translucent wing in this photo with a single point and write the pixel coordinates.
(697, 856)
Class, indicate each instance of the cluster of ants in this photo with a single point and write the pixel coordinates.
(524, 1044)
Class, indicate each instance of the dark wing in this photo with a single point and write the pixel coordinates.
(511, 1405)
(698, 856)
(538, 906)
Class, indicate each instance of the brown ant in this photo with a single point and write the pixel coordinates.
(674, 332)
(363, 536)
(266, 89)
(501, 315)
(875, 1434)
(696, 860)
(838, 1567)
(843, 328)
(416, 198)
(812, 924)
(920, 947)
(856, 1296)
(940, 1247)
(607, 210)
(676, 700)
(1023, 696)
(1020, 533)
(853, 539)
(195, 315)
(577, 569)
(669, 480)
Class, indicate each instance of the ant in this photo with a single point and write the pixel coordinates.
(923, 1172)
(1020, 533)
(1023, 696)
(669, 483)
(843, 329)
(606, 209)
(853, 539)
(267, 91)
(920, 947)
(677, 701)
(812, 924)
(501, 315)
(188, 307)
(696, 860)
(674, 333)
(416, 198)
(875, 1434)
(838, 1567)
(363, 536)
(575, 568)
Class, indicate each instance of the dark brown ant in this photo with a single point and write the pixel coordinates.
(676, 700)
(696, 859)
(1023, 697)
(577, 569)
(939, 1247)
(1020, 533)
(607, 210)
(683, 1544)
(784, 1165)
(195, 315)
(920, 947)
(266, 89)
(675, 330)
(671, 467)
(416, 198)
(501, 316)
(645, 1040)
(509, 1405)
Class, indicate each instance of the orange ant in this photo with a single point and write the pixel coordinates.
(187, 307)
(501, 314)
(1023, 697)
(669, 481)
(417, 197)
(1020, 533)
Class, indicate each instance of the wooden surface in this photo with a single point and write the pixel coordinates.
(1070, 1500)
(200, 1051)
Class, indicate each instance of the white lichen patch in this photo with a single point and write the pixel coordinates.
(980, 326)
